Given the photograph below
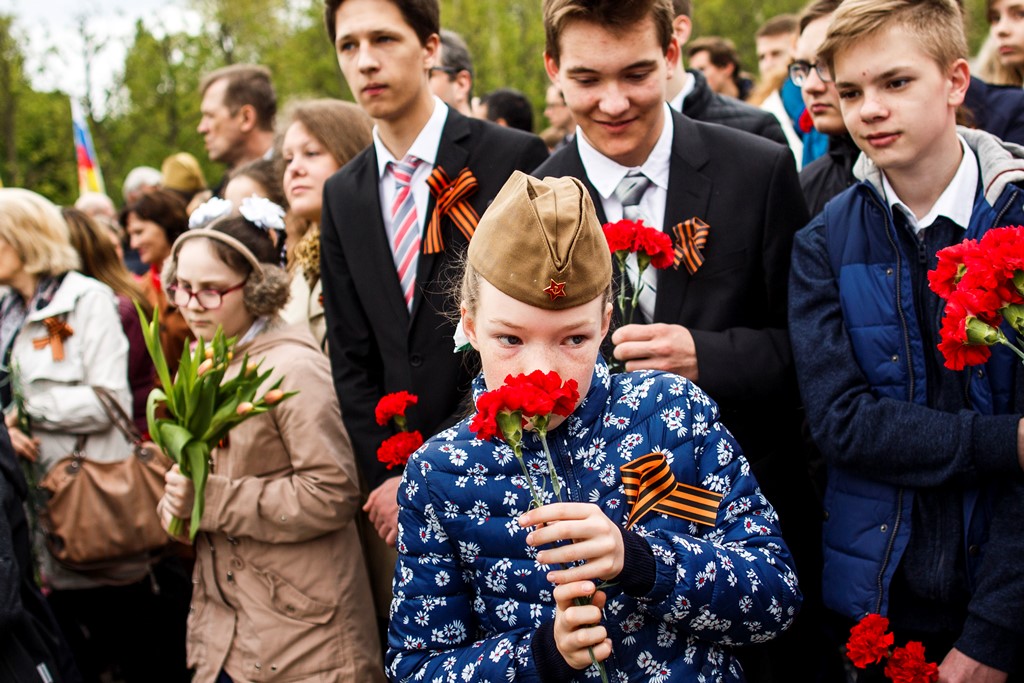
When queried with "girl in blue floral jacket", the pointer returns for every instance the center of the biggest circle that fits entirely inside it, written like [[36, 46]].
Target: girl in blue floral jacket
[[485, 586]]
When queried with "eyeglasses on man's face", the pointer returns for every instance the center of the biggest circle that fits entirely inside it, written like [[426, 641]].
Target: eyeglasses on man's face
[[208, 299], [800, 69], [451, 71]]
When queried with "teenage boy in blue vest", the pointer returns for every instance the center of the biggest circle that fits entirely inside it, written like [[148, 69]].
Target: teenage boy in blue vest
[[924, 496]]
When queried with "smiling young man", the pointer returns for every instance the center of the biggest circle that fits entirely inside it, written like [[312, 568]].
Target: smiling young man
[[388, 244], [924, 493], [723, 325]]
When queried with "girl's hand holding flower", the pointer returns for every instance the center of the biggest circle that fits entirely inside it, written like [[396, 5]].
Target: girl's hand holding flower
[[578, 631], [179, 496], [587, 536]]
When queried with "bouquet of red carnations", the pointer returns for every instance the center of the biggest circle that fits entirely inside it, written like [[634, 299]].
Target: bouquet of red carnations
[[871, 642], [983, 284]]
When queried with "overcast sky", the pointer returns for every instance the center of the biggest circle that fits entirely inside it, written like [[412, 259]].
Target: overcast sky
[[53, 25]]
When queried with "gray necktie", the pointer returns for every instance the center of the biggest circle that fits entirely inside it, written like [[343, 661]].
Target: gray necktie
[[630, 191]]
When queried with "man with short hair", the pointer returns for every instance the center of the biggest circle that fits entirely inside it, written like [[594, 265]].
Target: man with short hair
[[452, 78], [718, 60], [688, 91], [722, 322], [396, 219], [774, 42], [237, 116], [925, 456], [559, 116], [507, 107]]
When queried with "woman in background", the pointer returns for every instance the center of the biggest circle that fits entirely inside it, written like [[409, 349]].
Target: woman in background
[[319, 137], [153, 222]]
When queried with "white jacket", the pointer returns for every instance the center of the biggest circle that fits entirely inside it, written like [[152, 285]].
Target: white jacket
[[59, 398]]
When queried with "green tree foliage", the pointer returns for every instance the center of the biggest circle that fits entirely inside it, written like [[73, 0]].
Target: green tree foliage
[[38, 148], [506, 40]]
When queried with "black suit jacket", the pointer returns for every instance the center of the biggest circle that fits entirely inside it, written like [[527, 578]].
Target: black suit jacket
[[704, 104], [376, 346], [747, 190]]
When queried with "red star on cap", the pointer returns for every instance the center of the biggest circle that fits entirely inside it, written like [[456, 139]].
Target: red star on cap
[[555, 289]]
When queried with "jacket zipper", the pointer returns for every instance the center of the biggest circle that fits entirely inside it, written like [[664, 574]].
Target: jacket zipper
[[889, 229]]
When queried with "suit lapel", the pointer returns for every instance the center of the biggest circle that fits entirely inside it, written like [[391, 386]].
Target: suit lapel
[[452, 154], [689, 195]]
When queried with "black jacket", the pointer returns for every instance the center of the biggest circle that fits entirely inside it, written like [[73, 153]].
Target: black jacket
[[31, 645], [376, 346], [996, 109], [829, 174], [704, 104]]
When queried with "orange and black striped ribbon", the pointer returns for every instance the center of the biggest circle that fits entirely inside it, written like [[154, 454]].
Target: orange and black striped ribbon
[[690, 238], [56, 332], [651, 487], [450, 200]]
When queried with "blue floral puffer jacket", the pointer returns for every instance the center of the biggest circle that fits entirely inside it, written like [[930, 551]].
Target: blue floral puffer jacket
[[469, 595]]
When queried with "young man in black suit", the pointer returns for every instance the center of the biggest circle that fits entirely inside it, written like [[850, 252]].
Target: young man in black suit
[[723, 325], [406, 205]]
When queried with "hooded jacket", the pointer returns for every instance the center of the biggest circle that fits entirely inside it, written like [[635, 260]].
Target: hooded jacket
[[280, 588], [861, 364]]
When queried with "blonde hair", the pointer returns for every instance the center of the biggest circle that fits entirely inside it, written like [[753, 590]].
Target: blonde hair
[[937, 25], [34, 228]]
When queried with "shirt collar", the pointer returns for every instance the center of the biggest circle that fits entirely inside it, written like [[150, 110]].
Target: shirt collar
[[605, 174], [955, 203], [424, 147]]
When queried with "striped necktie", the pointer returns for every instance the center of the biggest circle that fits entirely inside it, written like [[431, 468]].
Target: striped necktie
[[630, 191], [405, 226]]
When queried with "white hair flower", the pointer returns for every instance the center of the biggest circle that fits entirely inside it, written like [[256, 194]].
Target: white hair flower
[[209, 211], [262, 212]]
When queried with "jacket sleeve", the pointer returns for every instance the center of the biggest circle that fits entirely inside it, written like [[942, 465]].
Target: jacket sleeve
[[858, 431], [743, 364], [993, 633], [735, 584], [319, 495], [432, 629], [103, 354], [356, 363]]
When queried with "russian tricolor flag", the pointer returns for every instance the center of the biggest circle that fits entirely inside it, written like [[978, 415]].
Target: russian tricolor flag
[[90, 179]]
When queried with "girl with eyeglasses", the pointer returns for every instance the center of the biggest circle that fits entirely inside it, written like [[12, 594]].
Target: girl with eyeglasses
[[280, 590]]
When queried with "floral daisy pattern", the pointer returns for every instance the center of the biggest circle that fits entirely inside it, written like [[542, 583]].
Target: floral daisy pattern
[[470, 595]]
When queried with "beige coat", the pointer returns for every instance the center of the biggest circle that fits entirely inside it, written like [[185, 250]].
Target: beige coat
[[281, 591]]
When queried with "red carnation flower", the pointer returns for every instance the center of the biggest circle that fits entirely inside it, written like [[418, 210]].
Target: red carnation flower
[[908, 665], [395, 450], [655, 244], [621, 235], [393, 405], [534, 395], [869, 641], [485, 422], [943, 280]]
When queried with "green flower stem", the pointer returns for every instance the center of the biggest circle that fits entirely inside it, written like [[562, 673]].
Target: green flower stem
[[1013, 347], [540, 423]]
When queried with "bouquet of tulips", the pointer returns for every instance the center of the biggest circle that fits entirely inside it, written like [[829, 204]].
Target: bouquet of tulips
[[201, 407], [529, 401]]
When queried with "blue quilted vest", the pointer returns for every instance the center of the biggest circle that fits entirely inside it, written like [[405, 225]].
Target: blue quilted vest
[[868, 523]]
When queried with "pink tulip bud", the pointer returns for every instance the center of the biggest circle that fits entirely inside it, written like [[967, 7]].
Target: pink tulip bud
[[204, 367], [244, 408], [273, 396]]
